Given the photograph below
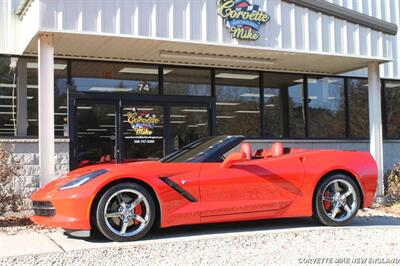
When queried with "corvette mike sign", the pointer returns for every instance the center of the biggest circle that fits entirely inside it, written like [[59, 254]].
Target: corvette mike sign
[[242, 18]]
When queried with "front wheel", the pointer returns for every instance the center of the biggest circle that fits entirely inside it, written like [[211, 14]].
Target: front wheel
[[125, 212], [337, 200]]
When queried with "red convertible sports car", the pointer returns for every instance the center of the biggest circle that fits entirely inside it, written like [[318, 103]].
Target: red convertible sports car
[[215, 179]]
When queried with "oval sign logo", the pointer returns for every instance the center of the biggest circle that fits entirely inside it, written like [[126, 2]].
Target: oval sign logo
[[242, 18]]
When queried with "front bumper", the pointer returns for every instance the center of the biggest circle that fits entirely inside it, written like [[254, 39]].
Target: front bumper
[[71, 210]]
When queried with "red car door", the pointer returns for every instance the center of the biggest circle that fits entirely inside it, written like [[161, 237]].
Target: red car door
[[250, 186], [182, 195]]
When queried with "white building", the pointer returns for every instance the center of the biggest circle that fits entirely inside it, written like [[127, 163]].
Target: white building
[[76, 75]]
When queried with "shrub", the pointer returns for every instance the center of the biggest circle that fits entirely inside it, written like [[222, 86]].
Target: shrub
[[10, 200], [392, 184]]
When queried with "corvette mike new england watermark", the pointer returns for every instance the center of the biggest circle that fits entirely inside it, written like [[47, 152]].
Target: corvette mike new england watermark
[[349, 260]]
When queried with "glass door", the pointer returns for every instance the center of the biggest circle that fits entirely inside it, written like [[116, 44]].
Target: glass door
[[95, 133], [188, 123], [142, 132], [117, 131]]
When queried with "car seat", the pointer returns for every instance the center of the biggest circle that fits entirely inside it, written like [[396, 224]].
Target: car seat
[[277, 149], [246, 149]]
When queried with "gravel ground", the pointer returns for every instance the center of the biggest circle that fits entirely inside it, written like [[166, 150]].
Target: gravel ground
[[335, 246], [330, 246]]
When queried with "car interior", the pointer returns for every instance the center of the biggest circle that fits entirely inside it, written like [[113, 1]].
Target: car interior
[[277, 149]]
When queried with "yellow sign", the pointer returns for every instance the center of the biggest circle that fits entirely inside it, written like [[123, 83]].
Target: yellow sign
[[143, 123]]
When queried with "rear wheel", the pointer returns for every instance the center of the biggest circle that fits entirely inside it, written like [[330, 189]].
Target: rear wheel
[[125, 212], [337, 200]]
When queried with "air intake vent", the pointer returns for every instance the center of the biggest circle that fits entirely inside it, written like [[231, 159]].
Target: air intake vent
[[43, 208]]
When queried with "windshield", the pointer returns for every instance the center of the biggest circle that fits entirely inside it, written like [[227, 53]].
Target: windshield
[[197, 151]]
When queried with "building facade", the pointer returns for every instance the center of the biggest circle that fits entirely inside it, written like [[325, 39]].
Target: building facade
[[93, 81]]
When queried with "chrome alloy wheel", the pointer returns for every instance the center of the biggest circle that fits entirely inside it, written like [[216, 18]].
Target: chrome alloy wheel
[[127, 212], [339, 200]]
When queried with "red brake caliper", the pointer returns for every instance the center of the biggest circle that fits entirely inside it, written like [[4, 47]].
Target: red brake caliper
[[327, 204], [138, 211]]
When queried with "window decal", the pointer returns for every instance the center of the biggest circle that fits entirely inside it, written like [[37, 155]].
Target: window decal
[[142, 123]]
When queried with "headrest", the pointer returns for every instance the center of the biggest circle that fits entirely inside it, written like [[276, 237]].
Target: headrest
[[277, 149], [246, 149]]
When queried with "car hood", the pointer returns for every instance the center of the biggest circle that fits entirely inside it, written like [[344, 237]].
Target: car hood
[[91, 168]]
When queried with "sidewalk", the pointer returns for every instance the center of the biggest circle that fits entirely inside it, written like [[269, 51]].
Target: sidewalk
[[42, 243]]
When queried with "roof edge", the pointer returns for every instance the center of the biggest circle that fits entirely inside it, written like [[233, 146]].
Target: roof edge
[[23, 7], [355, 17]]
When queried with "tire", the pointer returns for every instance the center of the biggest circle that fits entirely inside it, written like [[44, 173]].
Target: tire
[[331, 206], [125, 212]]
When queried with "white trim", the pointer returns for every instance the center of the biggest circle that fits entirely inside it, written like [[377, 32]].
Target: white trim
[[44, 30]]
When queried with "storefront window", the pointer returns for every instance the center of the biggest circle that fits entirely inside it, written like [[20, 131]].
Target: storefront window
[[238, 103], [7, 97], [392, 106], [143, 132], [60, 97], [326, 107], [19, 96], [114, 77], [187, 81], [358, 108], [95, 133], [33, 94], [188, 123], [276, 88], [296, 109]]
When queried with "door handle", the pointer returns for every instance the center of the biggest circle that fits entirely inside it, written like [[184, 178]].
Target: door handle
[[302, 159]]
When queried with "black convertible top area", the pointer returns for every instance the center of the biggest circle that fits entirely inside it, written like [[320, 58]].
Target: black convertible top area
[[207, 149]]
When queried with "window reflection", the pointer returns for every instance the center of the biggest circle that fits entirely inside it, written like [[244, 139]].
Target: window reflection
[[392, 105], [238, 103], [114, 77], [7, 97], [19, 96], [188, 123], [190, 81], [95, 133], [326, 107], [296, 110], [276, 88], [60, 98], [358, 108]]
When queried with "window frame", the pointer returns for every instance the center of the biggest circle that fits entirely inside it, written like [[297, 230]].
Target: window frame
[[384, 109], [211, 100]]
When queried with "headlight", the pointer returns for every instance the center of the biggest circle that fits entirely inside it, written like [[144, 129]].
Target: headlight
[[79, 181]]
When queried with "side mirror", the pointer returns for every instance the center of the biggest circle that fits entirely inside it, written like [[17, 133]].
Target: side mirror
[[233, 158]]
